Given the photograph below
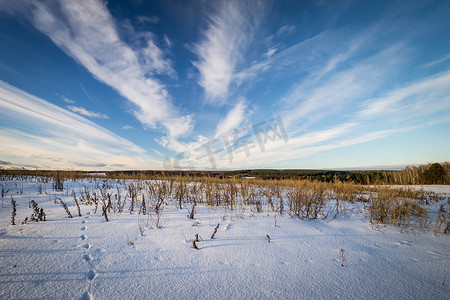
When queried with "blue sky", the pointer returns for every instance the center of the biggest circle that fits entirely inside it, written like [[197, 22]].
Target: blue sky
[[171, 84]]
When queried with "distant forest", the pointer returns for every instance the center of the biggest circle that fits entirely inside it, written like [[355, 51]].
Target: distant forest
[[425, 174], [436, 173]]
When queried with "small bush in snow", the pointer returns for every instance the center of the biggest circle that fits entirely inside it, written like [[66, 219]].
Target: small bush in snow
[[38, 212], [215, 231], [64, 205], [14, 210]]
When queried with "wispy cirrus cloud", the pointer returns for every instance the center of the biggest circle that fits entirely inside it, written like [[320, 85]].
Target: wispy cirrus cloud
[[274, 151], [306, 145], [86, 31], [148, 19], [67, 100], [333, 86], [234, 118], [280, 62], [337, 73], [87, 113], [191, 148], [36, 132], [410, 99], [336, 76], [192, 152], [307, 102], [441, 60], [286, 30], [230, 30]]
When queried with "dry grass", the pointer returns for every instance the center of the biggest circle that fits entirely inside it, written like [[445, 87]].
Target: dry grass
[[410, 210]]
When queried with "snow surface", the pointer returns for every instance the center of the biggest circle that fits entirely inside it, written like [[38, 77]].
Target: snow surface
[[88, 258]]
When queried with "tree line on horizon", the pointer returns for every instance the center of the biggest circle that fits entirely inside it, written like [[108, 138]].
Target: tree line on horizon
[[436, 173]]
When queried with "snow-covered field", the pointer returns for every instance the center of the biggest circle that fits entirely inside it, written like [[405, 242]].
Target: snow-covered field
[[85, 257]]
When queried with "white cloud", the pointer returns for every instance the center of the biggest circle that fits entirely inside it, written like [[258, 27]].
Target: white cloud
[[434, 91], [308, 101], [336, 70], [235, 117], [437, 62], [278, 152], [312, 98], [127, 127], [325, 54], [153, 58], [87, 113], [270, 52], [167, 41], [67, 100], [300, 58], [285, 30], [275, 151], [148, 19], [192, 151], [87, 32], [47, 135], [229, 33]]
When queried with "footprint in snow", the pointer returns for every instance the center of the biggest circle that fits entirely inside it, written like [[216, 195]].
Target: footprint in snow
[[86, 246], [86, 296], [83, 237], [83, 222], [87, 257], [91, 274], [83, 228]]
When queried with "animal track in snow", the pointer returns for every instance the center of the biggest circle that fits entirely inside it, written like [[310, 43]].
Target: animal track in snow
[[86, 246], [83, 237], [87, 257], [86, 296], [83, 228], [91, 274]]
